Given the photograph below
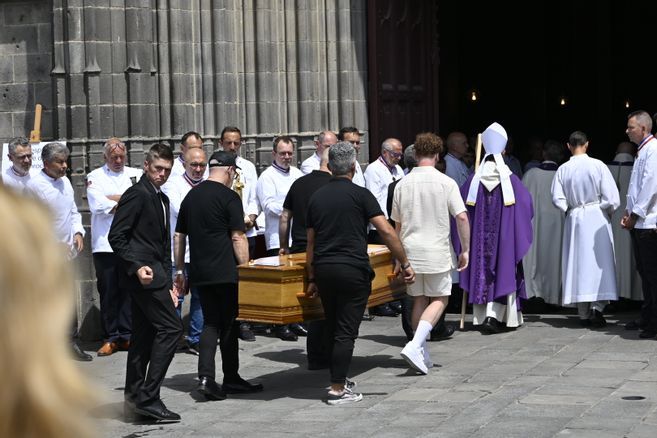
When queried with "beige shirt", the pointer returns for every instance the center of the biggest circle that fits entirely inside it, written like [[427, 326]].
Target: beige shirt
[[422, 203]]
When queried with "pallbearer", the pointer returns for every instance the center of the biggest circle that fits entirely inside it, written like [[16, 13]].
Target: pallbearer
[[500, 212]]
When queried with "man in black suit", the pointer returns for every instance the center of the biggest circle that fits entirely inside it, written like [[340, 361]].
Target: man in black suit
[[140, 237]]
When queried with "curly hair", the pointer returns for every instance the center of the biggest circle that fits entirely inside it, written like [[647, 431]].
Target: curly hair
[[428, 144]]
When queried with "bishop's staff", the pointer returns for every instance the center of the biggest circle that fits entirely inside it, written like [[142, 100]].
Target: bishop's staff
[[464, 301], [35, 135]]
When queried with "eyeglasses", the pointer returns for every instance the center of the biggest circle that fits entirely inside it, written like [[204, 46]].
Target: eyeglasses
[[285, 154], [355, 142], [394, 154], [198, 164]]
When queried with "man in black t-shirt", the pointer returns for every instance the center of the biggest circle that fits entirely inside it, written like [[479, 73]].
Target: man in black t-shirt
[[295, 207], [338, 265], [211, 215]]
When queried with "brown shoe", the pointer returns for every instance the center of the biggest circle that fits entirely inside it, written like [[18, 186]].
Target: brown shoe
[[123, 345], [107, 349]]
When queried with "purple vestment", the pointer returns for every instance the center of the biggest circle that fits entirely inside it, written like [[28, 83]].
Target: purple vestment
[[500, 236]]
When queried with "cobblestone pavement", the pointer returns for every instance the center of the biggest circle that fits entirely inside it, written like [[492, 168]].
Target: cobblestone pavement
[[550, 378]]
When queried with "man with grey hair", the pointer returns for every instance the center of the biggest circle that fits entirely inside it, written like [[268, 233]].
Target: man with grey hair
[[641, 217], [338, 265], [324, 140], [105, 185], [55, 190], [378, 176], [20, 154]]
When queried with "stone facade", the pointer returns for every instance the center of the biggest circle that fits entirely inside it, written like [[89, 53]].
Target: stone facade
[[150, 70]]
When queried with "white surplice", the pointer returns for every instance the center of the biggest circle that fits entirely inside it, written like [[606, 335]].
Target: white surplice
[[542, 264], [628, 281], [585, 189]]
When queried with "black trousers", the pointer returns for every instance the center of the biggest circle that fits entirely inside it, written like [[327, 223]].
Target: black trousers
[[344, 291], [645, 253], [220, 308], [156, 330], [115, 302]]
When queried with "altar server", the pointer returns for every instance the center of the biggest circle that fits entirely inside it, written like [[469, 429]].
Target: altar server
[[584, 189]]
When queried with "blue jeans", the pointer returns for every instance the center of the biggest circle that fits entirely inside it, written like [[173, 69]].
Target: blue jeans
[[195, 311]]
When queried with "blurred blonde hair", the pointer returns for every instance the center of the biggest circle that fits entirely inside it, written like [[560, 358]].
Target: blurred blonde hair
[[43, 394]]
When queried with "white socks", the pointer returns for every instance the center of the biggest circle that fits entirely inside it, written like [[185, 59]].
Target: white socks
[[423, 330]]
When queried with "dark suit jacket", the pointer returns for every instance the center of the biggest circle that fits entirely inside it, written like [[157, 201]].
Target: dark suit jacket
[[140, 236]]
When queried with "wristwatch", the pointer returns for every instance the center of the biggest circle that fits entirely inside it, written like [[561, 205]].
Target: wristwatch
[[406, 266]]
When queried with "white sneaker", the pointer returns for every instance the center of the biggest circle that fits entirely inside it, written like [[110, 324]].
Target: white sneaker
[[415, 358], [427, 359], [347, 396], [348, 383]]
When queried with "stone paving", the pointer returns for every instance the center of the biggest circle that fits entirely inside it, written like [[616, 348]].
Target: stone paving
[[550, 378]]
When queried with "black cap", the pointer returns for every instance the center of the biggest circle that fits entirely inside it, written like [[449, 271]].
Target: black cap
[[222, 158]]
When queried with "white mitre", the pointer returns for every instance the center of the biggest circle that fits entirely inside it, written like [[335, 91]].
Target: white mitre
[[492, 173]]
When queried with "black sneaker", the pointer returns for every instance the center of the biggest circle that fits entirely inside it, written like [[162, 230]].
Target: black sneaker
[[192, 348]]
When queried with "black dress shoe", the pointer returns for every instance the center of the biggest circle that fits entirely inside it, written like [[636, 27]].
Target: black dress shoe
[[158, 411], [284, 333], [442, 332], [241, 386], [491, 325], [396, 306], [298, 329], [585, 322], [78, 354], [647, 334], [382, 310], [245, 333], [597, 319], [210, 389]]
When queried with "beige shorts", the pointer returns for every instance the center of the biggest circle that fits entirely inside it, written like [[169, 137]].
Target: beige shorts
[[431, 285]]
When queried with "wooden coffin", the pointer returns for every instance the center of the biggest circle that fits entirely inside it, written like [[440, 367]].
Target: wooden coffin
[[272, 289]]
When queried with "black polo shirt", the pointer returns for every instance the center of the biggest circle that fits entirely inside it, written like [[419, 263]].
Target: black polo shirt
[[297, 202], [339, 213], [208, 215]]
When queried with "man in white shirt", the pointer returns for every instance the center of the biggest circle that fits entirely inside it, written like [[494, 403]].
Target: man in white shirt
[[421, 208], [584, 189], [352, 135], [245, 186], [176, 188], [188, 141], [378, 176], [324, 140], [105, 186], [54, 189], [271, 189], [457, 148], [641, 217], [20, 154]]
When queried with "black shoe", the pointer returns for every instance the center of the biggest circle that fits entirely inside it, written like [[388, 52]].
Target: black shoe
[[396, 306], [647, 334], [78, 354], [158, 411], [210, 389], [491, 326], [284, 333], [241, 386], [445, 331], [382, 310], [245, 333], [597, 319], [192, 348], [298, 329], [635, 325], [585, 322]]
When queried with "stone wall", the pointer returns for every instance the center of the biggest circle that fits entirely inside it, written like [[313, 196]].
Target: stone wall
[[150, 70]]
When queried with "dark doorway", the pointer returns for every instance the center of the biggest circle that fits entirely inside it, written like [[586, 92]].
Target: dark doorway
[[403, 70]]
